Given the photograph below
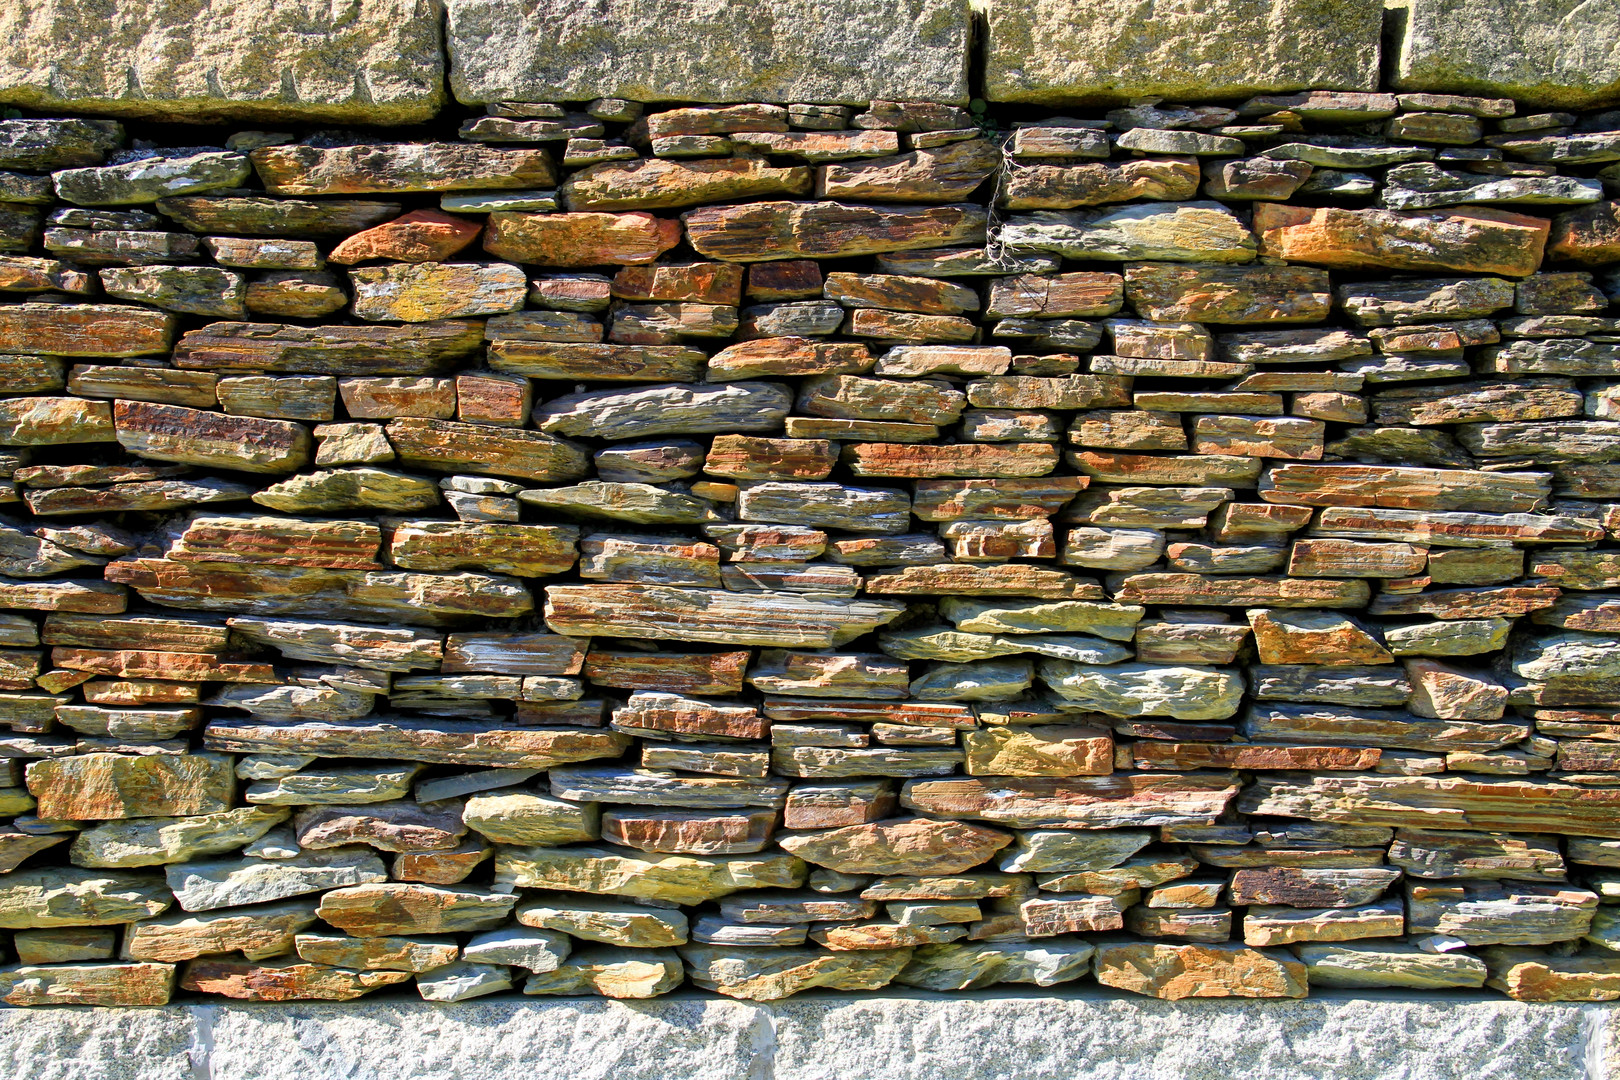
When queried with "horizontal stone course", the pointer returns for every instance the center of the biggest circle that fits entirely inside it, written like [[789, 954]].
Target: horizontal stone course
[[819, 543]]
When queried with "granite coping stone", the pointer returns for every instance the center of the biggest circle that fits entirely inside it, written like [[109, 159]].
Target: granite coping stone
[[1030, 1035]]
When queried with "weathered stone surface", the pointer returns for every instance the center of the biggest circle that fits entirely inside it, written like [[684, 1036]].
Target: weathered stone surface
[[1120, 800], [663, 183], [1530, 52], [673, 409], [104, 786], [328, 350], [450, 446], [1481, 241], [790, 230], [1173, 972], [1215, 294], [257, 932], [70, 897], [1530, 975], [190, 290], [683, 879], [230, 883], [155, 841], [579, 239], [1389, 964], [612, 973], [429, 291], [379, 910], [940, 174], [554, 55], [756, 974], [88, 984], [382, 64], [1050, 52], [1173, 232], [398, 167], [1491, 913], [912, 846], [608, 922], [1186, 693], [283, 980], [458, 742]]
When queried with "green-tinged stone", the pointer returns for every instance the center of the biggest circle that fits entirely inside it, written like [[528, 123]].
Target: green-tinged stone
[[248, 60], [519, 946], [639, 504], [1186, 693], [256, 932], [610, 972], [147, 180], [1205, 232], [345, 786], [190, 290], [525, 817], [59, 896], [100, 787], [769, 974], [972, 966], [681, 879], [411, 954], [463, 980], [1362, 965], [1117, 622], [156, 841], [608, 922], [336, 491], [388, 908]]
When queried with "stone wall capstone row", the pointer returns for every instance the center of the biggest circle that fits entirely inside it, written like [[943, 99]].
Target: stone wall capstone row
[[1560, 54], [358, 62], [1062, 52], [783, 51]]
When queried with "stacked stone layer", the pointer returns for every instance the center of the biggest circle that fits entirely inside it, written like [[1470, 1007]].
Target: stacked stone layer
[[776, 547]]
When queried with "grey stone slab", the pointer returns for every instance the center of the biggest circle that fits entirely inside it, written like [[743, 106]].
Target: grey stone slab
[[1090, 1036], [1557, 53], [1058, 52], [498, 1038], [983, 1035], [780, 51], [363, 61], [98, 1044]]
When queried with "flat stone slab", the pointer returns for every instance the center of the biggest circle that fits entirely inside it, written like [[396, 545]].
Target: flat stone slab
[[1555, 53], [1061, 52], [781, 51], [1031, 1035], [362, 62]]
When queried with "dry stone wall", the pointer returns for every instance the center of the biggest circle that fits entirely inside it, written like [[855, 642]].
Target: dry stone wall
[[588, 548]]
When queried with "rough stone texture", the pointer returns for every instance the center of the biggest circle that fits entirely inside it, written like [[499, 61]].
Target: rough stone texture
[[825, 595], [1058, 52], [1552, 53], [374, 62], [1029, 1034], [782, 51]]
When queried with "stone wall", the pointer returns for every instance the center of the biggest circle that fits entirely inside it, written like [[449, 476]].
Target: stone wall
[[882, 531]]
